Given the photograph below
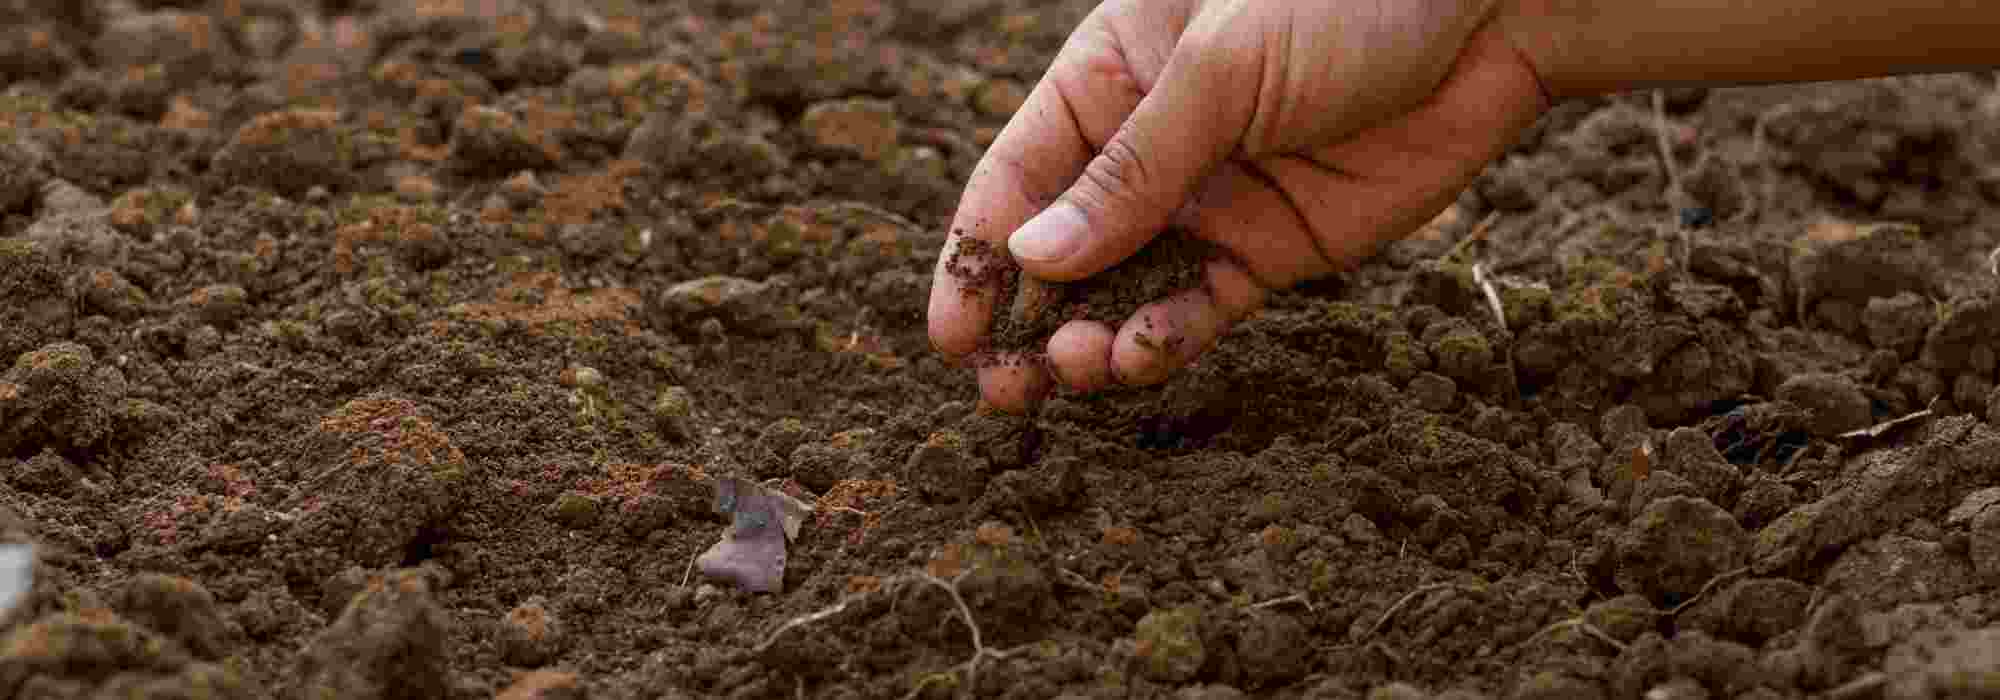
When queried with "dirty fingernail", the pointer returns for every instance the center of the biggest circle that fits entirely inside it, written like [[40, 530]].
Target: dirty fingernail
[[1052, 235]]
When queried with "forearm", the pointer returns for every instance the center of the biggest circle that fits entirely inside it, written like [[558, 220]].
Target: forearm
[[1586, 47]]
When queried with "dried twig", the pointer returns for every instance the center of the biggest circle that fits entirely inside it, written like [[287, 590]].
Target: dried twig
[[805, 619], [1411, 596], [1075, 579], [1878, 429], [1667, 160], [1299, 598], [1677, 195], [689, 574], [1706, 587], [1492, 297], [980, 651], [1478, 234], [1579, 623], [1867, 683]]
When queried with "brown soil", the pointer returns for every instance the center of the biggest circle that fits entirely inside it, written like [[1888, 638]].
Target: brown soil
[[395, 350]]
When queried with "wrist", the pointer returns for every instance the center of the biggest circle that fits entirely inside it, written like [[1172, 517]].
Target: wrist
[[1587, 47]]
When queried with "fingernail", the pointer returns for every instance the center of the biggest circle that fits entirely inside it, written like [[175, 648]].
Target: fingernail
[[1052, 235]]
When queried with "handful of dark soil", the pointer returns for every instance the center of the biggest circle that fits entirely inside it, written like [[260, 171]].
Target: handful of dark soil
[[1032, 309]]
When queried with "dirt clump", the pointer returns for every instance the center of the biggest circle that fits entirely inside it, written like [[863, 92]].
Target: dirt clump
[[1034, 309], [291, 152], [388, 643], [38, 307], [384, 476], [58, 397]]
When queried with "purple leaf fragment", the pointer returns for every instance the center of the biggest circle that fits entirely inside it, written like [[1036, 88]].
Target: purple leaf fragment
[[752, 554], [754, 563]]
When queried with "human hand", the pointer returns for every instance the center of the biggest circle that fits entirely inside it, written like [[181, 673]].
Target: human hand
[[1295, 136]]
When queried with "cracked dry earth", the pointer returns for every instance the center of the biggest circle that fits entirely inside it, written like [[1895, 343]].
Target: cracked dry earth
[[394, 350]]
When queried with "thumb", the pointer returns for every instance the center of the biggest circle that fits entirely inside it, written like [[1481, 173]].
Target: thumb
[[1181, 130]]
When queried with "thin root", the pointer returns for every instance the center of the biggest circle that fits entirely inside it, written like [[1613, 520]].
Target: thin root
[[1579, 623], [1867, 683], [979, 650], [1485, 283], [1299, 598], [1706, 587], [689, 573], [805, 619], [1411, 596], [1478, 234]]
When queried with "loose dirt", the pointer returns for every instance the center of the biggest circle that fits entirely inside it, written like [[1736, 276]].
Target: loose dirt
[[394, 350]]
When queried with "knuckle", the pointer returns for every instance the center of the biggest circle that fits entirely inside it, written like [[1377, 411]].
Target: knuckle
[[1116, 179]]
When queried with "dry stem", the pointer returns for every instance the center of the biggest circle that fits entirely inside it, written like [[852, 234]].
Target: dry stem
[[1411, 596]]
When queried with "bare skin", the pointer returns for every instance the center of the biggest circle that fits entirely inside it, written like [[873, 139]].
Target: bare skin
[[1301, 136]]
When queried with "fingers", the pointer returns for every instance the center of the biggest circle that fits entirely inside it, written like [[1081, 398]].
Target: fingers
[[1160, 338], [1014, 384], [1179, 132], [1088, 91], [1032, 159]]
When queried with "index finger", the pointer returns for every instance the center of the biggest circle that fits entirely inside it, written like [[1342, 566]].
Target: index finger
[[1086, 94]]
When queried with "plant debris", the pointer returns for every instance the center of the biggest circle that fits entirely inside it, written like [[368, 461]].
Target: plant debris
[[751, 553]]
